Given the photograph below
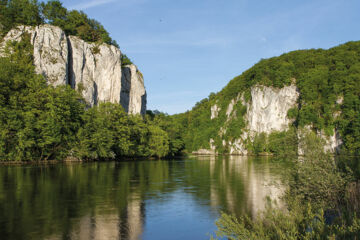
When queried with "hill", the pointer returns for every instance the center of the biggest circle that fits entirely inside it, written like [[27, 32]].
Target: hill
[[270, 107]]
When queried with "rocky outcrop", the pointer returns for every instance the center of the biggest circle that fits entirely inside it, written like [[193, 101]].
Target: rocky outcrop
[[238, 147], [210, 151], [268, 109], [133, 94], [203, 152], [50, 51], [214, 111], [266, 112], [230, 108], [94, 70], [332, 143]]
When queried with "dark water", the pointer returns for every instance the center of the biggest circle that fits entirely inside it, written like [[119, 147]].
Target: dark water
[[167, 199]]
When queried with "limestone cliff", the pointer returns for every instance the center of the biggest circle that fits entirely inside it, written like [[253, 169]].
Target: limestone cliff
[[50, 51], [133, 87], [93, 69], [266, 112]]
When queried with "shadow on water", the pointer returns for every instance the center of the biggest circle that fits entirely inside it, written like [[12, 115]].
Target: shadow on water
[[131, 200]]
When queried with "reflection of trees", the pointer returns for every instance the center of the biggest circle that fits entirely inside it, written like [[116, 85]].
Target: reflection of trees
[[107, 200], [78, 200]]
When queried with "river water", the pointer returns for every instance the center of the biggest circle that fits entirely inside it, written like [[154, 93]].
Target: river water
[[150, 199]]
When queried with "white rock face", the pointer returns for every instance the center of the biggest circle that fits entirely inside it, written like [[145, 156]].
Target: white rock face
[[203, 152], [301, 134], [230, 108], [238, 147], [82, 69], [267, 112], [332, 144], [268, 109], [94, 70], [214, 111], [212, 144], [133, 94], [340, 100], [50, 51]]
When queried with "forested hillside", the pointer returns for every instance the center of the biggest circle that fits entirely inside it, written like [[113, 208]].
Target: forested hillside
[[328, 82]]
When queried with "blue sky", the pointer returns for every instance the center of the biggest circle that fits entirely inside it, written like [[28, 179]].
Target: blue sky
[[187, 49]]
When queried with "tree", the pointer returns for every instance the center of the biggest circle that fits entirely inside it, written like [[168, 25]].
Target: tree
[[38, 122], [54, 13], [105, 133], [158, 142]]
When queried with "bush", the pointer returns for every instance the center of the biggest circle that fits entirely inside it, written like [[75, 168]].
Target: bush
[[317, 200]]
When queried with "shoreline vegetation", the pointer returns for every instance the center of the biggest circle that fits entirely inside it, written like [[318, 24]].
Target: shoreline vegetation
[[322, 202]]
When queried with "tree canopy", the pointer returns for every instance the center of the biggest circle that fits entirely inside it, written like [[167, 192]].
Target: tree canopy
[[33, 13]]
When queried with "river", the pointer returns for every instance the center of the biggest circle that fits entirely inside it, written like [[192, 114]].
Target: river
[[149, 199]]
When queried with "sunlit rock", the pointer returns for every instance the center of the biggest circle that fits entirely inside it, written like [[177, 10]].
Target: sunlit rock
[[95, 70], [268, 109], [214, 111]]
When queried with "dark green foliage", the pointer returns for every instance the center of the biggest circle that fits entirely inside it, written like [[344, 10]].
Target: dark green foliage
[[173, 129], [323, 77], [105, 134], [125, 60], [16, 12], [54, 12], [158, 142], [258, 145], [302, 223], [32, 13], [197, 126], [38, 122], [283, 144], [318, 204]]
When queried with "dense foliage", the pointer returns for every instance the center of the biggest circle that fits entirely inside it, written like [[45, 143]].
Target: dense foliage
[[33, 13], [322, 202], [41, 122], [328, 82]]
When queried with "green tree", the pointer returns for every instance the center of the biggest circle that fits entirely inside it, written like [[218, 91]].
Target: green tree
[[38, 122], [158, 142], [54, 12], [105, 133]]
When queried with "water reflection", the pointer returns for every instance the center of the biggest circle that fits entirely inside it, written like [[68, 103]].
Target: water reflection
[[132, 200]]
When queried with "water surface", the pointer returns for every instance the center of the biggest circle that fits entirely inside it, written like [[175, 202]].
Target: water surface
[[162, 199]]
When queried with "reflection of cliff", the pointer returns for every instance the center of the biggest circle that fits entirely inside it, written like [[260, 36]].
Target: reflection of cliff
[[261, 184], [128, 224], [135, 217], [242, 184], [107, 224]]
